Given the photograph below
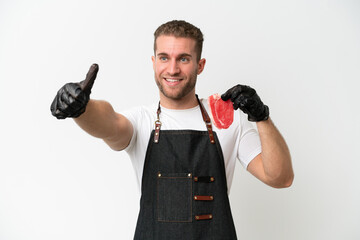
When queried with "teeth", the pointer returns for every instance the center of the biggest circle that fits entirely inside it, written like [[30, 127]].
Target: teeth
[[172, 80]]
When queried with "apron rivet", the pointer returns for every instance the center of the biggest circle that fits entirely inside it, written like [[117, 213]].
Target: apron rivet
[[159, 175]]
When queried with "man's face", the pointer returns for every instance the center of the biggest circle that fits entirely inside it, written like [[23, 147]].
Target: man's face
[[176, 67]]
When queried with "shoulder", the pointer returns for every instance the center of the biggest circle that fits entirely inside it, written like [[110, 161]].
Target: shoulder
[[142, 119]]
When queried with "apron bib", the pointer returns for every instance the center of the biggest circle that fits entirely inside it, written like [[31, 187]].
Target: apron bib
[[184, 190]]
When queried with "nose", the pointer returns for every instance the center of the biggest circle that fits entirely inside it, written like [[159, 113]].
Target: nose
[[173, 68]]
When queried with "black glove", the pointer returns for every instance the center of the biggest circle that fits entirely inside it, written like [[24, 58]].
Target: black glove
[[246, 98], [72, 98]]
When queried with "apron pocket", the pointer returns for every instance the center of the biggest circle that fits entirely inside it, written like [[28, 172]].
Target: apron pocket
[[174, 197]]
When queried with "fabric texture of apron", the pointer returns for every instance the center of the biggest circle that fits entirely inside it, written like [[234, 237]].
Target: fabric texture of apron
[[184, 190]]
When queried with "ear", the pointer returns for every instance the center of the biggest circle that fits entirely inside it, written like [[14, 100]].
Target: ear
[[201, 65], [153, 60]]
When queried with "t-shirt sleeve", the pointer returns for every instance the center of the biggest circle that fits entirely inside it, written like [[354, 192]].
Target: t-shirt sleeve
[[250, 145]]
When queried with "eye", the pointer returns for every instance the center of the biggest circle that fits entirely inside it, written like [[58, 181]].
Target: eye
[[184, 59], [163, 58]]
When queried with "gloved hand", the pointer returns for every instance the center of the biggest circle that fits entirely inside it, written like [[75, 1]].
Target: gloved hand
[[246, 98], [72, 98]]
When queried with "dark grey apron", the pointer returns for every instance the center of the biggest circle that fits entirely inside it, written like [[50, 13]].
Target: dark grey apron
[[184, 189]]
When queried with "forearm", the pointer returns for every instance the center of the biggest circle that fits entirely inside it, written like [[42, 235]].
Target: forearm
[[98, 120], [275, 155]]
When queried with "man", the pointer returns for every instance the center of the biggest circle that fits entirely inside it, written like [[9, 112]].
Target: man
[[186, 166]]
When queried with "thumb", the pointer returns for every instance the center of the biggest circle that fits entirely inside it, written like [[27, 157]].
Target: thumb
[[87, 84]]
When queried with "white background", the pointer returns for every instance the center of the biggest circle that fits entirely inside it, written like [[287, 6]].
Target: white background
[[302, 57]]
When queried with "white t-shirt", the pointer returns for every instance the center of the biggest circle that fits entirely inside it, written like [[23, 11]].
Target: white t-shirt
[[239, 141]]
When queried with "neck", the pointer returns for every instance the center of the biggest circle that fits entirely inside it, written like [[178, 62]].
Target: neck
[[186, 102]]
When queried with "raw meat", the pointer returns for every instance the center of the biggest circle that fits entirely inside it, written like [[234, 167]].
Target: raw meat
[[222, 111]]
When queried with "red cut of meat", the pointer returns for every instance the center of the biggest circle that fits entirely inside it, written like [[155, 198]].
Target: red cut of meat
[[222, 111]]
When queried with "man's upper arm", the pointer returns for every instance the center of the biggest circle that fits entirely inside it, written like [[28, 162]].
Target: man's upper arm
[[123, 134], [256, 168]]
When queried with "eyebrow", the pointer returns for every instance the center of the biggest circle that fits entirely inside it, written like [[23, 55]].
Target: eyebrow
[[181, 55]]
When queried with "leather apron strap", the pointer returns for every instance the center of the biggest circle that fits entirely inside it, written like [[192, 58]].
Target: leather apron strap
[[204, 114]]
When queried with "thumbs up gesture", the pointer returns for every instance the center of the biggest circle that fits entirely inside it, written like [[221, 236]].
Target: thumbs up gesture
[[72, 98]]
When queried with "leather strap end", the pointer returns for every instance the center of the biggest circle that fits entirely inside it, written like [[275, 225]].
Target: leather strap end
[[203, 198], [204, 217]]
